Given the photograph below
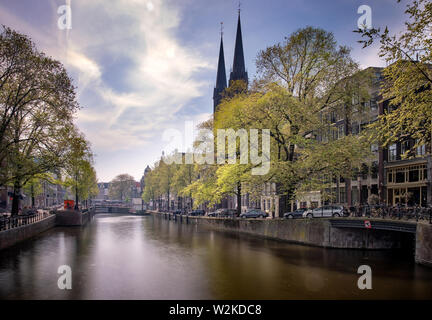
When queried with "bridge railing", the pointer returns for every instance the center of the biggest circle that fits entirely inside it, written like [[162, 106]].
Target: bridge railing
[[392, 212], [11, 222]]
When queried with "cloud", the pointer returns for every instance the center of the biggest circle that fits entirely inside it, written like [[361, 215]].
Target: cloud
[[88, 70], [133, 74], [158, 80]]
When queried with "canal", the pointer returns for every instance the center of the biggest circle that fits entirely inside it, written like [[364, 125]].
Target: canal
[[132, 257]]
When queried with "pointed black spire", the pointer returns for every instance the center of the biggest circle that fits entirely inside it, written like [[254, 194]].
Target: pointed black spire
[[239, 70], [221, 81]]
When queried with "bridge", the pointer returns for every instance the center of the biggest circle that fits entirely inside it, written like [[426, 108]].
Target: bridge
[[117, 209], [376, 224], [111, 208], [384, 218]]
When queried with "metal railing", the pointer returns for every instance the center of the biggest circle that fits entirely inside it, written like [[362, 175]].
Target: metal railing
[[11, 222], [392, 212]]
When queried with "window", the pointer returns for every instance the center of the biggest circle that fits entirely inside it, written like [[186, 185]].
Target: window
[[392, 152], [390, 176], [342, 195], [356, 172], [400, 177], [405, 147], [355, 128], [421, 150], [340, 132], [414, 175], [364, 171], [374, 170], [373, 105], [334, 134], [374, 147], [333, 117]]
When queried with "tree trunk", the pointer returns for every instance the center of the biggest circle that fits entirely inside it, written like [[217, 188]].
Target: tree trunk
[[32, 196], [238, 198], [76, 198], [15, 198]]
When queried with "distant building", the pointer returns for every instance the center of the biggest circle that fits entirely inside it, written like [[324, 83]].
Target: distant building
[[238, 72], [142, 181], [103, 191]]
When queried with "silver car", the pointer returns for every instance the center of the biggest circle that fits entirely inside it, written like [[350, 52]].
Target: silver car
[[254, 213], [325, 211]]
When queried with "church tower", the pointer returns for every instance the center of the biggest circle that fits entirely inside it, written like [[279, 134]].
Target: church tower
[[239, 70], [221, 80]]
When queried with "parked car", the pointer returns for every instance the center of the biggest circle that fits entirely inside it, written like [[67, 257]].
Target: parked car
[[196, 213], [254, 213], [231, 213], [325, 211], [223, 213], [295, 214], [215, 213], [177, 212]]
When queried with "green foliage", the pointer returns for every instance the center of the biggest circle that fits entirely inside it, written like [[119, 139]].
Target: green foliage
[[300, 82], [121, 187], [408, 79], [80, 176], [37, 104]]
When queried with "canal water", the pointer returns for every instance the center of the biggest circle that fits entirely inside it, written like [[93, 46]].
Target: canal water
[[131, 257]]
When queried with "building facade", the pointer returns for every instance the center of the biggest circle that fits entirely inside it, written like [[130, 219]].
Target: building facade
[[407, 180], [386, 177]]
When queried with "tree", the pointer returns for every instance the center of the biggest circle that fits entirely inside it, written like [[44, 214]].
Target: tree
[[150, 188], [34, 187], [79, 172], [299, 82], [322, 79], [165, 175], [276, 109], [87, 187], [37, 99], [408, 79], [308, 64], [15, 50], [121, 187], [183, 176]]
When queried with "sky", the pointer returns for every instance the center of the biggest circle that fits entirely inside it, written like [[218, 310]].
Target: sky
[[142, 67]]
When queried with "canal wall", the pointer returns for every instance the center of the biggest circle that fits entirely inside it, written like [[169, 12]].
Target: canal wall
[[423, 252], [70, 218], [12, 236], [58, 218], [315, 232]]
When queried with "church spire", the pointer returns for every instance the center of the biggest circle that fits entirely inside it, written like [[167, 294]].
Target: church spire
[[239, 70], [221, 80]]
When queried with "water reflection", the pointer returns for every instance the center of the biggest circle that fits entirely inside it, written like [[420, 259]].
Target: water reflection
[[127, 257]]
